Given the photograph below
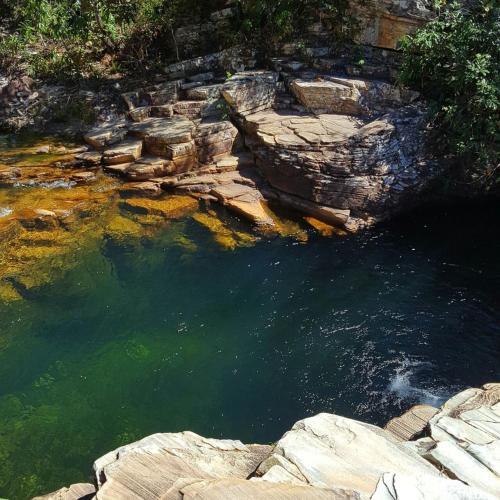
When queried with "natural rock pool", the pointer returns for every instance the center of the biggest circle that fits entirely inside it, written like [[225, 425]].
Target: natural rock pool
[[117, 326]]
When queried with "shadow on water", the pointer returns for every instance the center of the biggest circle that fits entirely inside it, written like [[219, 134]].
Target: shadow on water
[[161, 335]]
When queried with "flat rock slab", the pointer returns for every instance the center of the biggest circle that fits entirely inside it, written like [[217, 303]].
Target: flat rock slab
[[399, 487], [159, 133], [410, 425], [294, 131], [465, 438], [106, 134], [159, 466], [336, 452], [74, 492], [124, 152], [245, 201], [237, 489], [321, 96]]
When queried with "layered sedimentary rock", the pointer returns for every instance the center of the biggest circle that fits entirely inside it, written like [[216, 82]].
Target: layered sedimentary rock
[[322, 457], [339, 150]]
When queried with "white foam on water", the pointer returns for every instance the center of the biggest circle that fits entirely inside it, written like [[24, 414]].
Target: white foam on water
[[58, 184], [404, 384], [4, 211]]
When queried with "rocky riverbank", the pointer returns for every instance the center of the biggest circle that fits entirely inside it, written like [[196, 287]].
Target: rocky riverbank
[[319, 129], [346, 151], [428, 453]]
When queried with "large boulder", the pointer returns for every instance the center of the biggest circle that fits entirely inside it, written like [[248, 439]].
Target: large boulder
[[159, 466], [465, 438], [400, 487], [238, 489], [251, 92], [370, 168], [329, 451]]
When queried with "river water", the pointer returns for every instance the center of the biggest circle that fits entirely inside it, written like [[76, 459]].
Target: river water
[[177, 332]]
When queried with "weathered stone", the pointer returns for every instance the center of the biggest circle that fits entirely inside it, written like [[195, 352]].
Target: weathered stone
[[488, 455], [125, 152], [412, 423], [84, 177], [118, 169], [7, 174], [74, 492], [159, 133], [140, 114], [328, 97], [251, 92], [329, 215], [174, 151], [338, 161], [106, 134], [190, 109], [152, 467], [90, 158], [163, 111], [465, 467], [245, 201], [204, 93], [215, 138], [232, 489], [465, 438], [147, 188], [149, 167], [400, 487], [165, 93], [332, 451]]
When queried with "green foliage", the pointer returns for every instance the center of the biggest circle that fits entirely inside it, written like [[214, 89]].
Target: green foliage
[[69, 38], [273, 21], [454, 61]]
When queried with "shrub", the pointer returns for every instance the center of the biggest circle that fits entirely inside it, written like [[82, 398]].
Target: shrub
[[454, 61], [269, 22]]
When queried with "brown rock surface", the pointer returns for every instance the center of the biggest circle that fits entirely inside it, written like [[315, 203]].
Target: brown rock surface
[[124, 152]]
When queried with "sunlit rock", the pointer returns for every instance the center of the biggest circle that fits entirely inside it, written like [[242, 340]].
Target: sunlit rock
[[124, 152], [163, 464]]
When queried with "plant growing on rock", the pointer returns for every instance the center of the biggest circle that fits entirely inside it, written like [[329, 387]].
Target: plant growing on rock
[[270, 22], [455, 62]]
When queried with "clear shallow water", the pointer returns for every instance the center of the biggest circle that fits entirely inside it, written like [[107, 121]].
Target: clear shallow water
[[241, 344]]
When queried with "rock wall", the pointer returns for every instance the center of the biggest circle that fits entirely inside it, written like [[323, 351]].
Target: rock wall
[[347, 144], [322, 457]]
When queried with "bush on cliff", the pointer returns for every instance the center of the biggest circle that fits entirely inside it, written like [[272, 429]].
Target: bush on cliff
[[455, 62], [269, 22], [70, 39]]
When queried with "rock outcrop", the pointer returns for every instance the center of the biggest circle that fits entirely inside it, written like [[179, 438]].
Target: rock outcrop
[[322, 457], [345, 151]]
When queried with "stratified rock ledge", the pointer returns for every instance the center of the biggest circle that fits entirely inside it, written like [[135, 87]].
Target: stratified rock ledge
[[456, 457]]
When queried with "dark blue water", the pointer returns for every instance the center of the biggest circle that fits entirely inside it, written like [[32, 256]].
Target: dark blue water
[[144, 338]]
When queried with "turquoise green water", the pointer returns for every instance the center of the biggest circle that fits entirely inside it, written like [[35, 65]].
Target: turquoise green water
[[149, 337]]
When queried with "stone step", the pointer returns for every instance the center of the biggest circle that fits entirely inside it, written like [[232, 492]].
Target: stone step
[[412, 424]]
